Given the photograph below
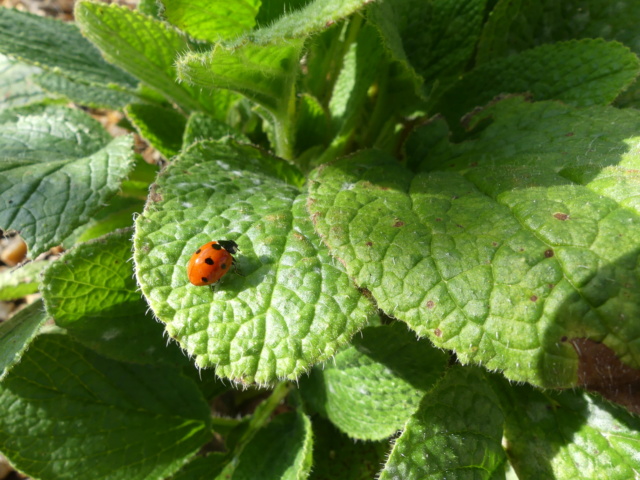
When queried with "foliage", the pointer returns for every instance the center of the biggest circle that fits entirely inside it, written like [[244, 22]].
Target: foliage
[[436, 208]]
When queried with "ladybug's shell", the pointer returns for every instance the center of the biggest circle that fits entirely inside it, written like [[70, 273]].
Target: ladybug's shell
[[209, 264]]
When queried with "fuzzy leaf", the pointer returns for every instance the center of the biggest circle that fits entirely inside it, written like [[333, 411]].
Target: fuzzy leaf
[[58, 168], [161, 127], [504, 247], [21, 281], [289, 308]]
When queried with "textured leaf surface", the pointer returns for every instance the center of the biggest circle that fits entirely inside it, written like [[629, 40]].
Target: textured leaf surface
[[586, 72], [371, 389], [455, 434], [161, 127], [16, 86], [290, 307], [58, 167], [573, 434], [75, 414], [280, 451], [91, 292], [18, 282], [504, 247], [201, 126], [212, 21], [55, 45], [95, 95], [435, 38], [145, 47], [16, 334], [338, 457]]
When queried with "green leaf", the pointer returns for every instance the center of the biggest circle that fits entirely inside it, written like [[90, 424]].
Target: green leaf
[[145, 47], [371, 389], [117, 215], [161, 127], [455, 434], [202, 468], [337, 457], [573, 435], [58, 168], [212, 21], [581, 73], [312, 18], [16, 85], [16, 335], [20, 281], [96, 95], [55, 45], [502, 248], [91, 292], [435, 38], [289, 307], [281, 450], [201, 126], [75, 414]]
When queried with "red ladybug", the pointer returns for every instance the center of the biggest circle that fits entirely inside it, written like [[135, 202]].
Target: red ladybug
[[211, 261]]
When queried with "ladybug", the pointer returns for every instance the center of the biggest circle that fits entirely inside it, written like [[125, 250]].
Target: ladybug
[[211, 261]]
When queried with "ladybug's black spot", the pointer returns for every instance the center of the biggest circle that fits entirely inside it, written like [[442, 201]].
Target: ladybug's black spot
[[223, 266], [215, 246], [208, 261], [198, 251], [204, 279]]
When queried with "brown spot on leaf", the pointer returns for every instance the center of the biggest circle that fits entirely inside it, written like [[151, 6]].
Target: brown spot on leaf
[[569, 134], [533, 298], [473, 164], [564, 339], [600, 370], [438, 219], [561, 216], [369, 244], [430, 304], [548, 253], [437, 332], [399, 223]]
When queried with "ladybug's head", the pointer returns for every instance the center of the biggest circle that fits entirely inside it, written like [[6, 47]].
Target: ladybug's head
[[229, 245]]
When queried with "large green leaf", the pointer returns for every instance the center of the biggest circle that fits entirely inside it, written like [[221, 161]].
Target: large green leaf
[[289, 307], [75, 415], [455, 434], [504, 247], [91, 292], [58, 168], [371, 389], [55, 45]]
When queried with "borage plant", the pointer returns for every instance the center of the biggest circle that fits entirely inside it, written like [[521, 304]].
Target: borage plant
[[436, 210]]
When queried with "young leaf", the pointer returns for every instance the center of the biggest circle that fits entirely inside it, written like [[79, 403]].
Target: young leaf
[[501, 249], [161, 127], [584, 73], [456, 433], [75, 414], [371, 389], [58, 168], [574, 435], [201, 126], [290, 306], [58, 46], [145, 47], [91, 292], [212, 21], [16, 335]]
